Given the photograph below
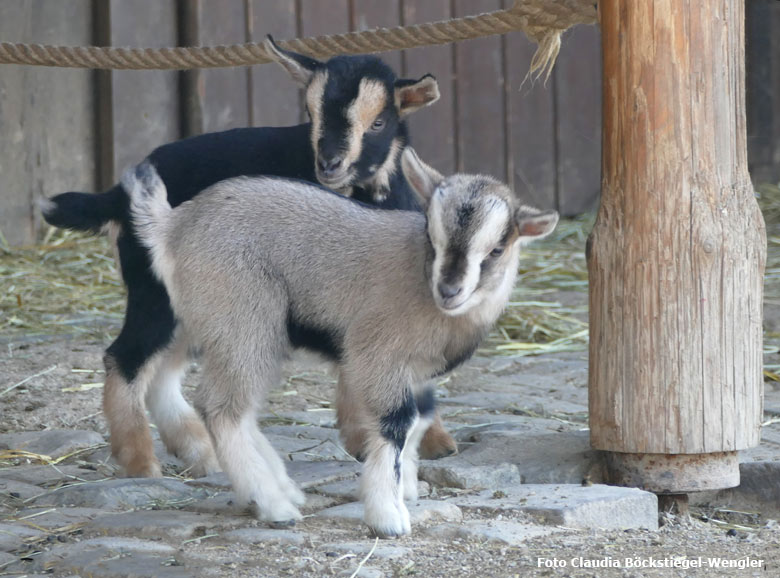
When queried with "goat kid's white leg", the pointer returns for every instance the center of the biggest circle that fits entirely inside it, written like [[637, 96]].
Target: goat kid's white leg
[[295, 495], [410, 455], [381, 489], [253, 478], [181, 429]]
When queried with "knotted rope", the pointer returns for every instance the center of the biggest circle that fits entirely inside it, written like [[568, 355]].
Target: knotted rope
[[543, 21]]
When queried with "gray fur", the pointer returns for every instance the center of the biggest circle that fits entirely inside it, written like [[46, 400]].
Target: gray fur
[[247, 253]]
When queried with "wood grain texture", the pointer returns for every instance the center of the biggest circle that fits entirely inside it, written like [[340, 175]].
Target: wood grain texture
[[46, 116], [578, 120], [541, 139], [480, 98], [758, 47], [145, 103], [366, 14], [323, 17], [774, 56], [530, 125], [763, 88], [677, 255], [432, 129], [276, 99], [224, 91]]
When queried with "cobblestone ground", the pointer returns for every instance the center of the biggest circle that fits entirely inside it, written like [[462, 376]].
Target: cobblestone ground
[[522, 497]]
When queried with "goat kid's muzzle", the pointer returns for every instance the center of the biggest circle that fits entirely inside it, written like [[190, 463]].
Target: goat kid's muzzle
[[335, 179], [451, 297]]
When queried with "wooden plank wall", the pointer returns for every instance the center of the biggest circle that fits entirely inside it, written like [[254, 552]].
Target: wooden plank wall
[[46, 115], [144, 104], [763, 89], [77, 130]]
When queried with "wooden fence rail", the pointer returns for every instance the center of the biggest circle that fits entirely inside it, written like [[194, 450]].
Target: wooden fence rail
[[78, 129]]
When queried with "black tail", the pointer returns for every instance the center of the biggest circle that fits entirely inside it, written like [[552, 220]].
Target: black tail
[[85, 211]]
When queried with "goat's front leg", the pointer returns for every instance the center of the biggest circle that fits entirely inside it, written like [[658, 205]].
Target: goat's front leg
[[354, 425], [411, 452], [384, 479], [181, 429]]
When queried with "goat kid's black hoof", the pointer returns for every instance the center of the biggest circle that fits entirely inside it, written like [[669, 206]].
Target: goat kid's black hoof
[[444, 454], [281, 524]]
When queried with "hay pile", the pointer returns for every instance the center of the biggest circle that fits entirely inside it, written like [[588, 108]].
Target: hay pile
[[548, 311], [69, 284]]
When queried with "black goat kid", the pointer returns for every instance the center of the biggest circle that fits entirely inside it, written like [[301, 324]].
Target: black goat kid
[[353, 144]]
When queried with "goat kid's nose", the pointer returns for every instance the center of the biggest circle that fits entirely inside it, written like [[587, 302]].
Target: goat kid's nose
[[448, 291], [329, 165]]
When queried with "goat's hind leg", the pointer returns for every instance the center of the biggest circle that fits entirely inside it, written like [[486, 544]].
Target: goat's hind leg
[[437, 441], [228, 405], [132, 360], [290, 489], [353, 418], [123, 406], [181, 429]]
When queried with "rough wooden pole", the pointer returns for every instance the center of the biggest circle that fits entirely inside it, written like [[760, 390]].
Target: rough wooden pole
[[676, 257]]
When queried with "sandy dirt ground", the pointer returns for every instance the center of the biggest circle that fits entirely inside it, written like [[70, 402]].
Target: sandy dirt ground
[[62, 391]]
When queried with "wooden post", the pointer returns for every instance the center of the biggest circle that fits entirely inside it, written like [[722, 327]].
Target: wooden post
[[676, 257]]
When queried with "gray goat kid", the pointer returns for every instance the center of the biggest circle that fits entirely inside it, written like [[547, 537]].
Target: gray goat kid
[[401, 296]]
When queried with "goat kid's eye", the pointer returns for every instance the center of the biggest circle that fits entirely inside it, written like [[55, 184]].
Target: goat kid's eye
[[378, 125], [497, 252]]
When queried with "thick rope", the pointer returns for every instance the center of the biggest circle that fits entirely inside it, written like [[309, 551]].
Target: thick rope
[[543, 21]]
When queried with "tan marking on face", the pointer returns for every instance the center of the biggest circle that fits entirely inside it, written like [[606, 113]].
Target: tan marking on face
[[370, 102], [385, 172], [362, 112], [315, 93]]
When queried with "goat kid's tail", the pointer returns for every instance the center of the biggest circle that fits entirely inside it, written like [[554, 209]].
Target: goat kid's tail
[[84, 211], [151, 215]]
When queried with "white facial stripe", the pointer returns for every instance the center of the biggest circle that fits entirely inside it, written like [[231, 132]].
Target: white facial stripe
[[436, 225], [438, 235], [370, 101], [489, 234], [315, 93], [494, 214], [483, 242]]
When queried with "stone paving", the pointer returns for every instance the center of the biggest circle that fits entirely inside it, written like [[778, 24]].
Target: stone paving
[[524, 470]]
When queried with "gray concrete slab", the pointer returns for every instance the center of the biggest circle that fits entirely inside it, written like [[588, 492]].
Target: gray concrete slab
[[419, 511], [162, 524], [123, 494], [54, 443], [572, 505]]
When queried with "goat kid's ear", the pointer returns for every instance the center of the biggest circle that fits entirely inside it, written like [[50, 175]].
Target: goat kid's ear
[[423, 178], [534, 224], [300, 67], [412, 95]]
